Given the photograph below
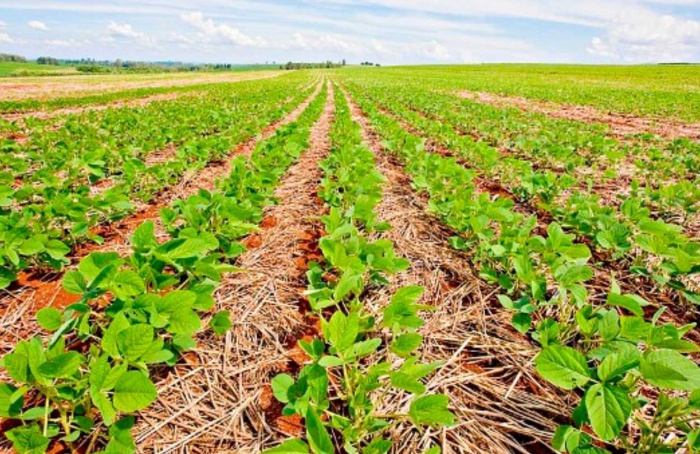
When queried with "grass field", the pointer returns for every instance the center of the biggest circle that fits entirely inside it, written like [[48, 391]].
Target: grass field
[[457, 259], [24, 69]]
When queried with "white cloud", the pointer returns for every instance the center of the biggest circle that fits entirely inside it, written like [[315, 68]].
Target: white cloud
[[37, 25], [122, 30], [180, 39], [64, 43], [4, 37], [387, 31], [322, 42], [225, 32], [649, 39]]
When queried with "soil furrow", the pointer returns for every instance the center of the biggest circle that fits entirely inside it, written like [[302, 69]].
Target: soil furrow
[[71, 87], [621, 125], [267, 303], [140, 102], [45, 290], [486, 357]]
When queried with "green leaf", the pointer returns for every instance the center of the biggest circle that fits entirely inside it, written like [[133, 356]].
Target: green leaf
[[405, 344], [74, 282], [379, 446], [294, 446], [348, 283], [563, 366], [127, 283], [28, 440], [109, 414], [616, 364], [134, 341], [567, 438], [57, 249], [314, 349], [319, 440], [280, 387], [608, 408], [191, 247], [177, 305], [221, 322], [522, 322], [49, 318], [330, 361], [92, 265], [121, 441], [110, 335], [402, 312], [365, 348], [668, 369], [62, 366], [17, 364], [33, 245], [627, 302], [11, 401], [156, 353], [144, 236], [407, 383], [431, 411], [574, 274], [342, 330], [134, 391]]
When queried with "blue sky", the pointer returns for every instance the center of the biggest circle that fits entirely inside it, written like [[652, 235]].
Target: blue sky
[[385, 31]]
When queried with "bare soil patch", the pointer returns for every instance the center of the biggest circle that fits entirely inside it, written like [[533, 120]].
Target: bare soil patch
[[72, 87], [621, 125], [140, 102]]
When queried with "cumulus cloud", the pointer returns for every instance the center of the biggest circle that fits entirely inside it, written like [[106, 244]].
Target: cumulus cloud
[[387, 31], [322, 42], [4, 37], [649, 39], [122, 30], [369, 48], [37, 25], [221, 32], [64, 43]]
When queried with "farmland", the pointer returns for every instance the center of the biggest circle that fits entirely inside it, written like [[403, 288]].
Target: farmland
[[457, 259]]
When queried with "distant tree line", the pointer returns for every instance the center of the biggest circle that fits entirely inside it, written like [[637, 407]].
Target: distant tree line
[[12, 57], [327, 64], [369, 63], [93, 66], [48, 61]]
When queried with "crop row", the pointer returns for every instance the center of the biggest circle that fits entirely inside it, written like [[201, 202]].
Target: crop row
[[41, 220], [650, 91], [99, 141], [356, 361], [573, 154], [609, 352], [79, 385], [53, 103], [629, 234]]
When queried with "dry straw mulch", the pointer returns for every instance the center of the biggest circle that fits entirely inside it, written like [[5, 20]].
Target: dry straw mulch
[[213, 404]]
